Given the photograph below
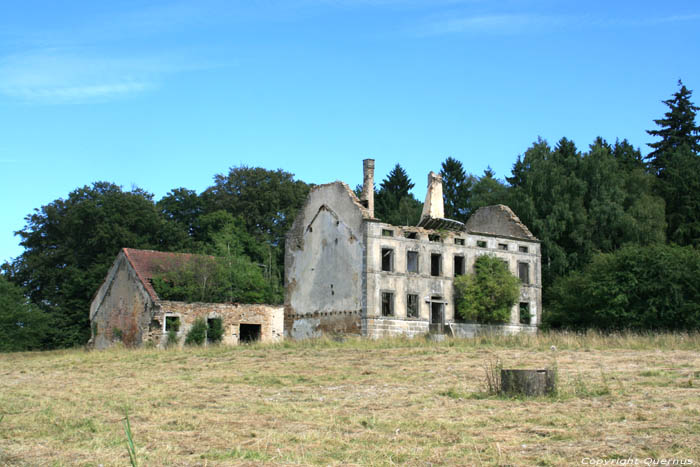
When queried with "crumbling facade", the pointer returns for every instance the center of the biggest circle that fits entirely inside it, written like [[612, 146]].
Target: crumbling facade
[[127, 309], [347, 272]]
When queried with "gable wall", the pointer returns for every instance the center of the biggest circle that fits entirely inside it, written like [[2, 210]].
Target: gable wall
[[121, 306], [323, 265]]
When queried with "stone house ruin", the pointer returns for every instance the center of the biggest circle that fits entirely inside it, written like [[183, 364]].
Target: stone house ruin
[[127, 308], [347, 272]]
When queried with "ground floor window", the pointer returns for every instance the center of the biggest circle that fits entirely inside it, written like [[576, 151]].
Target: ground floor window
[[524, 313], [249, 332], [387, 304], [412, 306], [172, 323]]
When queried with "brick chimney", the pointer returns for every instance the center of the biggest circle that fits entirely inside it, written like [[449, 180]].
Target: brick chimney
[[368, 185]]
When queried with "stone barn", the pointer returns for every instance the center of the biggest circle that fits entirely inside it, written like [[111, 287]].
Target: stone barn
[[126, 308], [347, 272]]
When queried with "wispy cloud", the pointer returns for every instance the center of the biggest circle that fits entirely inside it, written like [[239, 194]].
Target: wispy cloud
[[650, 21], [75, 75], [499, 24]]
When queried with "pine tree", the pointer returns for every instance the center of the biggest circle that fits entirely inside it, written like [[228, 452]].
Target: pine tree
[[676, 162], [394, 202], [456, 186], [678, 128]]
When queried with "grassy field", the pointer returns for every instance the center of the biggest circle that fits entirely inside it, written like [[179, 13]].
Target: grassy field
[[381, 402]]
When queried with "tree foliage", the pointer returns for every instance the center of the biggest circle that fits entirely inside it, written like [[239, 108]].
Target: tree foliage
[[23, 326], [394, 203], [676, 162], [197, 333], [69, 245], [487, 295], [580, 203], [640, 288], [677, 130], [456, 187]]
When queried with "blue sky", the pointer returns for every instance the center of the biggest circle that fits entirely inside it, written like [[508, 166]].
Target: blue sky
[[166, 94]]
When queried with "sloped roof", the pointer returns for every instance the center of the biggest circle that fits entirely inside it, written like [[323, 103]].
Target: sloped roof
[[148, 263], [498, 220]]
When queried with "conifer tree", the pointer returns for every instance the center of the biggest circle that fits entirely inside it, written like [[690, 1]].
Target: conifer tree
[[676, 162], [678, 129]]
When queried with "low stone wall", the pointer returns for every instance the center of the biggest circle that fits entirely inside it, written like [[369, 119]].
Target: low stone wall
[[473, 329], [386, 327], [269, 317]]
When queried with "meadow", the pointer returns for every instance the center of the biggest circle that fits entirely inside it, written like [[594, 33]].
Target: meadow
[[354, 401]]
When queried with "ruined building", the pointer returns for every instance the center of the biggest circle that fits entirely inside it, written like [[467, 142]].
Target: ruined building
[[347, 272], [126, 308]]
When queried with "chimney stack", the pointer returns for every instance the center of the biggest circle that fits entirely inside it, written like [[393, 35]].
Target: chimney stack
[[368, 185], [434, 206]]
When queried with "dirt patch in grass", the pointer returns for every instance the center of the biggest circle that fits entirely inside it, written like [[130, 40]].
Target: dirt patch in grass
[[353, 402]]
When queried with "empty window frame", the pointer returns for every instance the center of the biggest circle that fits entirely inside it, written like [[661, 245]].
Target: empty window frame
[[524, 272], [434, 238], [459, 265], [411, 235], [503, 246], [524, 313], [387, 259], [459, 241], [172, 323], [523, 249], [481, 243], [412, 306], [435, 264], [387, 303], [387, 233], [412, 262]]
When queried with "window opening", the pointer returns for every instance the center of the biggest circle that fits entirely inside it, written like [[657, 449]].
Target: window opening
[[522, 249], [524, 272], [524, 313], [387, 259], [387, 233], [412, 306], [459, 241], [387, 304], [503, 246], [172, 323], [249, 332], [435, 264], [459, 265], [412, 261], [481, 243]]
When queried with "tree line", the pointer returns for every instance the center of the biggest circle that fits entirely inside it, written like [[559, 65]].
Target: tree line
[[619, 232]]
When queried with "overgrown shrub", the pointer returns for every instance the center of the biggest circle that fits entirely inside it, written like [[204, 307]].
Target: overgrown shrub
[[215, 330], [487, 295], [197, 333], [172, 337], [636, 288]]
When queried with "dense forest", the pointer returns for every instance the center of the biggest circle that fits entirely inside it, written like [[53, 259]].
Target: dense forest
[[620, 233]]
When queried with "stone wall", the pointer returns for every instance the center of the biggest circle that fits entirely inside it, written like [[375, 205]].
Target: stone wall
[[121, 309], [473, 329], [381, 237], [269, 317], [386, 327], [323, 264]]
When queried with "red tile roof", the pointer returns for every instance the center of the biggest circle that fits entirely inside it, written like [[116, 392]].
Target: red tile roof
[[148, 263]]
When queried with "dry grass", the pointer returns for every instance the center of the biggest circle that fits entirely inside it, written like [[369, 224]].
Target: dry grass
[[354, 402]]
